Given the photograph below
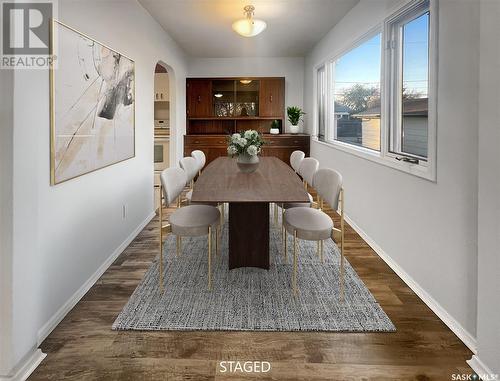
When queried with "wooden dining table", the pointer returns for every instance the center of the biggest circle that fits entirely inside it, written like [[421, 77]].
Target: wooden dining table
[[249, 196]]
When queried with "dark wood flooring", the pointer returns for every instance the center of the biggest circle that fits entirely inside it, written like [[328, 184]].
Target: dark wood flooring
[[83, 346]]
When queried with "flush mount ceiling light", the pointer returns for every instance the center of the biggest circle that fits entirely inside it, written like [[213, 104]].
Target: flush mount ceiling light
[[249, 27], [218, 95], [245, 81]]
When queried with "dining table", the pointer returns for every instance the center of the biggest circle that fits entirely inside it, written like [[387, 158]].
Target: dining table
[[249, 196]]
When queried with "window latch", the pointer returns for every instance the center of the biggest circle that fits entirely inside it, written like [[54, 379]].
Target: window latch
[[407, 159]]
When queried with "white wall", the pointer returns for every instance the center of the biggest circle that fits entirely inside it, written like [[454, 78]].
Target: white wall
[[292, 68], [428, 229], [63, 234], [6, 164], [488, 324]]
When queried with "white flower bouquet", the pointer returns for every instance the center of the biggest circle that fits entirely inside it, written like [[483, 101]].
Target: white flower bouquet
[[248, 142]]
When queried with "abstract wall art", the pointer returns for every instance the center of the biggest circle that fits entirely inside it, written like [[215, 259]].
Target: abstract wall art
[[92, 105]]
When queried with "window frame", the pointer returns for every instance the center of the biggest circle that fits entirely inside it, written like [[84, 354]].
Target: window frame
[[323, 102], [395, 77], [331, 86], [424, 168], [328, 65]]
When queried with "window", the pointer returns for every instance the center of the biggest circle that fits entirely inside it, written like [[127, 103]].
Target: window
[[376, 99], [356, 95], [321, 96], [409, 70]]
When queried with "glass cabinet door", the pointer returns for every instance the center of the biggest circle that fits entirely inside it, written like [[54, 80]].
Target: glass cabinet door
[[223, 97], [247, 98]]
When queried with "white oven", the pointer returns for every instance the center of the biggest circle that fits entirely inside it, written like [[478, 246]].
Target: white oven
[[161, 152]]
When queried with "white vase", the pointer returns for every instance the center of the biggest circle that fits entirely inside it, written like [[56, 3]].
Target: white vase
[[247, 163], [294, 129], [274, 131]]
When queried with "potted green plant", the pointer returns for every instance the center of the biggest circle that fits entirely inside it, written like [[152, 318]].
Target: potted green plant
[[275, 127], [294, 117], [247, 145]]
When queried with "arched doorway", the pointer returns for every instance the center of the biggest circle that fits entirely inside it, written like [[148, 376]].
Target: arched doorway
[[163, 118]]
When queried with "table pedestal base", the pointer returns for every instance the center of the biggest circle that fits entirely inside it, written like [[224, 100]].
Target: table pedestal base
[[249, 235]]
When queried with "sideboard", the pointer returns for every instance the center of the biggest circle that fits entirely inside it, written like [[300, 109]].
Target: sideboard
[[280, 146]]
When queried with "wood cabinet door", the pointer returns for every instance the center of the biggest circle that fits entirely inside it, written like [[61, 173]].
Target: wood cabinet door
[[272, 97], [199, 99], [281, 153]]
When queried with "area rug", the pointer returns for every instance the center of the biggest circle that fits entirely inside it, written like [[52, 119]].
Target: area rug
[[250, 299]]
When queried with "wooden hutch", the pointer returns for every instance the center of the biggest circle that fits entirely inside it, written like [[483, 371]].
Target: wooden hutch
[[218, 107]]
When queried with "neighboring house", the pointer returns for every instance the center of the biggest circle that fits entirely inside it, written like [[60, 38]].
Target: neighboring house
[[414, 140], [348, 128], [342, 111]]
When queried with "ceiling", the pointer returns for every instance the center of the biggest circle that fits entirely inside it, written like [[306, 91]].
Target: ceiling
[[203, 27]]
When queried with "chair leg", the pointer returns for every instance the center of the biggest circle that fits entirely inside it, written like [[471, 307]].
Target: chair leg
[[222, 213], [283, 241], [161, 270], [285, 245], [321, 251], [160, 218], [318, 249], [295, 262], [341, 276], [209, 257], [342, 244], [275, 214], [217, 241], [282, 216], [282, 231]]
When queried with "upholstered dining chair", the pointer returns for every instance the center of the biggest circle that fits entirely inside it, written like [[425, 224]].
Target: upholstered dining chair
[[187, 221], [296, 158], [315, 225], [191, 166], [200, 158], [307, 169]]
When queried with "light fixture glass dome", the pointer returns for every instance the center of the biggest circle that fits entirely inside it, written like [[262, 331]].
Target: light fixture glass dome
[[249, 27]]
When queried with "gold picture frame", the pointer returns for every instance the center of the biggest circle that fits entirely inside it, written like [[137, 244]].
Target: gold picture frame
[[116, 74]]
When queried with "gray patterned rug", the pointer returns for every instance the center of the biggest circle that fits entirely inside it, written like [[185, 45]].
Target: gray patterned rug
[[250, 299]]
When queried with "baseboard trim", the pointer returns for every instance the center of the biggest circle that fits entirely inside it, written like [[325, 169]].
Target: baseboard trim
[[456, 327], [49, 326], [480, 368], [26, 367]]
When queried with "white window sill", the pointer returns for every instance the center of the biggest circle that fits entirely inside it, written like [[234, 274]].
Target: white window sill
[[425, 170]]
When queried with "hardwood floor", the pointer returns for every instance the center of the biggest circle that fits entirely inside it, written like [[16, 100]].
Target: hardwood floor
[[83, 346]]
